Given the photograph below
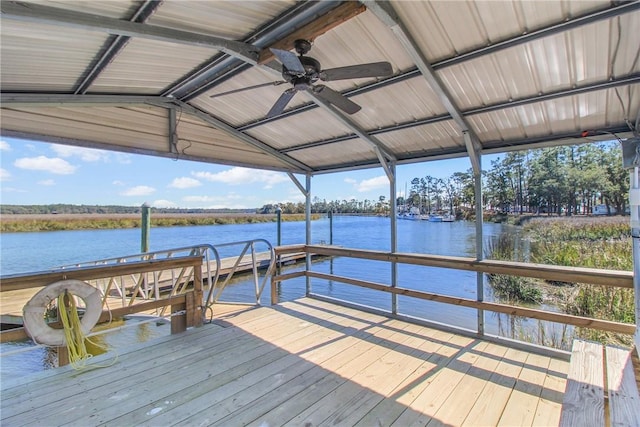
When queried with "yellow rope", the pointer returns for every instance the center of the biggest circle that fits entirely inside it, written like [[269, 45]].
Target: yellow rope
[[78, 354]]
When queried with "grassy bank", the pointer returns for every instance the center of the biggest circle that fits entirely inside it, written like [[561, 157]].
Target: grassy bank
[[22, 223], [577, 242]]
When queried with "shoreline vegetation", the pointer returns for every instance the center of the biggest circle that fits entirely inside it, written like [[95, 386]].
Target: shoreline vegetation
[[602, 242], [95, 221]]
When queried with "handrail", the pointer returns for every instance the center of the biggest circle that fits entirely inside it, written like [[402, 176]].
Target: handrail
[[42, 278], [617, 278], [128, 277], [174, 260], [214, 296]]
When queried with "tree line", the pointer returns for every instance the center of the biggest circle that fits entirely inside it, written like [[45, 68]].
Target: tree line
[[557, 180]]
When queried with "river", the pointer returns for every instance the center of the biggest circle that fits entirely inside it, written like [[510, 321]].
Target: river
[[24, 252]]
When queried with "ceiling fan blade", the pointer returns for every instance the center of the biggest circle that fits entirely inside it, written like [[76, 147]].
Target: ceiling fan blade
[[337, 99], [242, 89], [373, 69], [281, 103], [289, 60]]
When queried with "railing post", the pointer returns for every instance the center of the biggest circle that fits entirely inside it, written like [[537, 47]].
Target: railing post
[[63, 355], [254, 269], [197, 302], [274, 289]]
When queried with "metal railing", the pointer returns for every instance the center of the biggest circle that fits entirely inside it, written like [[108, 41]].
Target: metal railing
[[242, 257], [161, 279]]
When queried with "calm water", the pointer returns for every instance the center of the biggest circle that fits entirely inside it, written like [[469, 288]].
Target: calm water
[[24, 252]]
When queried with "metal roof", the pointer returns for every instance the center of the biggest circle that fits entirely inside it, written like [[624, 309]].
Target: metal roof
[[138, 76]]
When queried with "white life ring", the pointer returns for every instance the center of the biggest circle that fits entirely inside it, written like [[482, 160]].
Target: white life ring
[[33, 311]]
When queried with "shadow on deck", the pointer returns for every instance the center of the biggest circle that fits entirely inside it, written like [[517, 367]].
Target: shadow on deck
[[304, 362]]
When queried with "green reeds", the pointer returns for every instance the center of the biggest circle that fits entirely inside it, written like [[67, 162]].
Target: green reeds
[[511, 289], [584, 242]]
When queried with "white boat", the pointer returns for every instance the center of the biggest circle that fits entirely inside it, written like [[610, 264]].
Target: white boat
[[413, 214], [448, 218], [435, 218]]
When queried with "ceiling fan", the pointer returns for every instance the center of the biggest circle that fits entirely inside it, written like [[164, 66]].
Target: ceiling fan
[[302, 71]]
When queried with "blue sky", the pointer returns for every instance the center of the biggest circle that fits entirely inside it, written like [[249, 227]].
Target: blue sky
[[37, 173]]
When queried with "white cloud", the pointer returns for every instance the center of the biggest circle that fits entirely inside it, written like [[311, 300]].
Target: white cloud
[[238, 176], [217, 202], [117, 182], [54, 165], [379, 182], [47, 182], [163, 204], [123, 158], [4, 145], [6, 189], [140, 190], [85, 154], [185, 182], [5, 175], [204, 199]]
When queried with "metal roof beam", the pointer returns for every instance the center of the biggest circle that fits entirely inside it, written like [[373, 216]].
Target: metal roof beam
[[607, 84], [48, 99], [607, 134], [298, 184], [221, 67], [387, 15], [565, 25], [173, 130], [380, 150], [124, 149], [33, 12], [115, 45], [13, 100], [230, 130]]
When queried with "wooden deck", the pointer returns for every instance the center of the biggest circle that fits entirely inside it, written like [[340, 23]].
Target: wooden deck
[[304, 362]]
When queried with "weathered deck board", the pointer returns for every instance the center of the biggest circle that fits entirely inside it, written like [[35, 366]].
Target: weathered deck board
[[584, 395], [304, 361], [624, 401]]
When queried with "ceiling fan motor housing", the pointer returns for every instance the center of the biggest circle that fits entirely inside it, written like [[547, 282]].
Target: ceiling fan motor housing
[[302, 81]]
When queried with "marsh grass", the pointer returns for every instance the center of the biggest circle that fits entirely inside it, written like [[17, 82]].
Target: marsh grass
[[584, 242], [30, 223], [511, 288]]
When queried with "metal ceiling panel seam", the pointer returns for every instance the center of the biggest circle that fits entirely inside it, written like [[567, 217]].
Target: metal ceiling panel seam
[[550, 71]]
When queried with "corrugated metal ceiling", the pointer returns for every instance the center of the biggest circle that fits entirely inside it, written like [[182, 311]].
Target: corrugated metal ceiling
[[144, 77]]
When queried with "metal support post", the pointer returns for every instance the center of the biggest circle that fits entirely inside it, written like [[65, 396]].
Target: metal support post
[[479, 239], [634, 202], [308, 233], [394, 234]]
